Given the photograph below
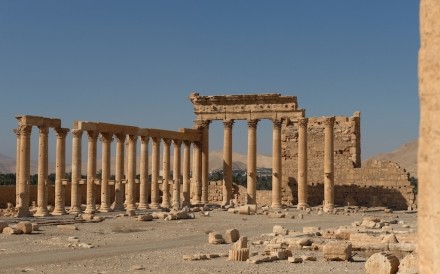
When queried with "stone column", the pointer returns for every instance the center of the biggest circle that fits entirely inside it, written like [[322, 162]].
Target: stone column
[[276, 164], [106, 139], [75, 193], [43, 167], [25, 159], [60, 173], [91, 171], [205, 160], [126, 172], [429, 141], [186, 173], [176, 174], [155, 158], [131, 168], [329, 175], [227, 161], [17, 165], [303, 195], [197, 172], [143, 187], [166, 173], [252, 163], [119, 173]]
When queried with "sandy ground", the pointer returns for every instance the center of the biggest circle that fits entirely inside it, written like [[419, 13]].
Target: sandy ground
[[126, 245]]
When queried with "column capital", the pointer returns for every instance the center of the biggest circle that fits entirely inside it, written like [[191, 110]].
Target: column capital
[[25, 129], [120, 137], [145, 139], [92, 135], [132, 138], [61, 133], [252, 123], [177, 142], [302, 122], [156, 140], [186, 143], [228, 123], [201, 124], [106, 137], [43, 130], [329, 121], [77, 133], [277, 122], [16, 131], [166, 141]]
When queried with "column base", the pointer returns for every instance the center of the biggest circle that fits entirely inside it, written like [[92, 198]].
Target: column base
[[105, 209], [75, 210], [130, 207], [165, 205], [276, 206], [302, 206], [42, 212], [59, 212], [143, 207], [23, 213], [328, 208], [90, 210], [154, 206], [117, 207]]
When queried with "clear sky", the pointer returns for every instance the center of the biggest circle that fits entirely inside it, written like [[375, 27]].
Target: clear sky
[[135, 62]]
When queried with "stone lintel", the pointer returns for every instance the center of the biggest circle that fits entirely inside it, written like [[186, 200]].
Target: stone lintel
[[188, 135], [38, 121]]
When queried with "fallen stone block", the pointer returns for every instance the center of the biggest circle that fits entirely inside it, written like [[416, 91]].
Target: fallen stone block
[[35, 227], [300, 216], [363, 241], [245, 210], [406, 247], [391, 239], [159, 215], [232, 235], [3, 225], [387, 228], [409, 265], [311, 229], [215, 238], [241, 254], [281, 254], [277, 215], [131, 212], [241, 243], [144, 218], [85, 245], [280, 230], [382, 263], [260, 259], [308, 258], [67, 227], [295, 260], [12, 231], [87, 217], [233, 210], [25, 226], [337, 251]]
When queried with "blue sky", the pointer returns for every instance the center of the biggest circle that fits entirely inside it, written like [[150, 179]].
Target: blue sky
[[135, 62]]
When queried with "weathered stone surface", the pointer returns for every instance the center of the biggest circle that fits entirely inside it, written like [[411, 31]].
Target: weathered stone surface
[[3, 225], [245, 210], [159, 215], [215, 238], [311, 229], [242, 242], [241, 254], [363, 241], [35, 227], [406, 247], [391, 238], [12, 231], [143, 218], [383, 263], [337, 251], [232, 235], [409, 264], [280, 230], [295, 260], [261, 259], [131, 212], [25, 226], [281, 254], [67, 227], [308, 258]]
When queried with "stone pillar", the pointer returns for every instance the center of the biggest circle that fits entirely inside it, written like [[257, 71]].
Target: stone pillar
[[75, 193], [276, 164], [17, 165], [227, 161], [119, 173], [43, 167], [60, 173], [176, 174], [143, 187], [166, 174], [197, 172], [186, 173], [126, 172], [106, 139], [303, 195], [429, 141], [205, 160], [155, 158], [91, 171], [131, 169], [329, 174], [252, 163], [25, 159]]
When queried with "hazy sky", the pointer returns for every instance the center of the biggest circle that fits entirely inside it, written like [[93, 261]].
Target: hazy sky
[[135, 62]]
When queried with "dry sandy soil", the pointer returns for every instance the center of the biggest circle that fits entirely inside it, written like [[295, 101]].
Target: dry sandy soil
[[125, 245]]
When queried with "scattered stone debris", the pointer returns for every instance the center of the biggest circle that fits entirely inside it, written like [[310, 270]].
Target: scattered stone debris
[[382, 263], [215, 238], [67, 227], [337, 251], [232, 235], [239, 251]]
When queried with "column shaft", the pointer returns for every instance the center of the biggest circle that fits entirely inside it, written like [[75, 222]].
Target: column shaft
[[186, 173], [43, 167], [166, 174], [176, 173], [75, 193], [106, 140], [302, 164], [23, 188], [60, 173], [329, 195], [205, 161], [276, 164], [227, 161], [119, 173], [197, 173], [91, 171], [17, 166], [131, 176], [252, 162], [143, 187], [155, 158]]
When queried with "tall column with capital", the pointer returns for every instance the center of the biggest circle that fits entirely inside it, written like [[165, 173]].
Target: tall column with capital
[[252, 163], [25, 159], [197, 173], [186, 173], [43, 167], [166, 174], [126, 172], [17, 164], [143, 186], [119, 173], [227, 161], [131, 168], [91, 171], [75, 193], [60, 172], [329, 195], [176, 173], [302, 164], [106, 139], [205, 160], [276, 164], [155, 158]]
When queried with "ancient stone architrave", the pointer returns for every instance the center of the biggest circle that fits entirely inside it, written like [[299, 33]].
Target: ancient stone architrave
[[60, 172]]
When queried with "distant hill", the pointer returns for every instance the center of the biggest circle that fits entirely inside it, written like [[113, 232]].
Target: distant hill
[[238, 160], [7, 165], [405, 156]]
